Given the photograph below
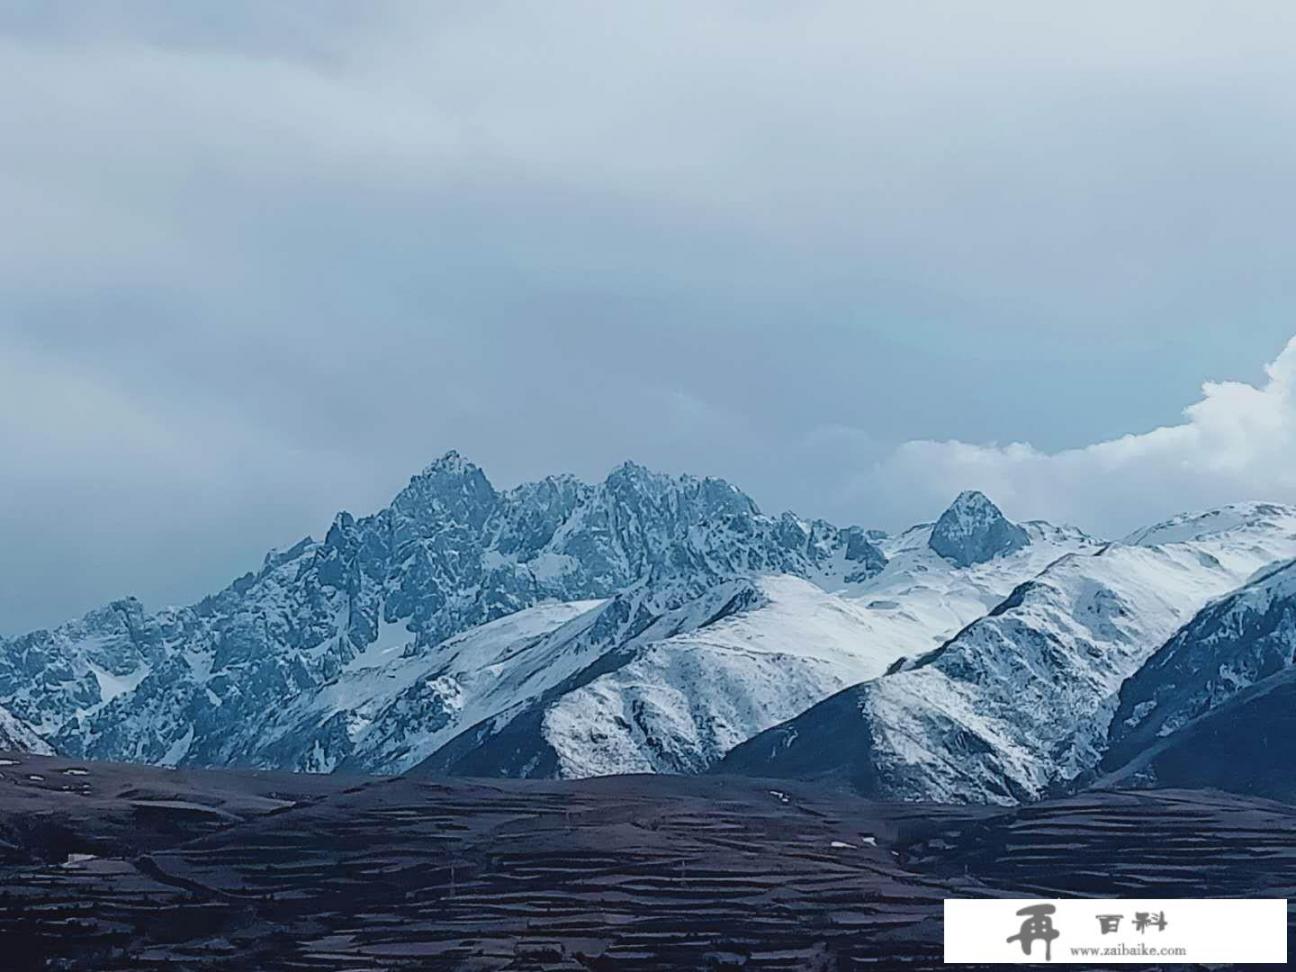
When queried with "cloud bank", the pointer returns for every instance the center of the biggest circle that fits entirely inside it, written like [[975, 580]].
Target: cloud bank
[[1235, 443]]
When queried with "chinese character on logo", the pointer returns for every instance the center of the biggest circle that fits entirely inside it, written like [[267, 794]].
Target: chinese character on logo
[[1038, 927], [1109, 923], [1143, 918]]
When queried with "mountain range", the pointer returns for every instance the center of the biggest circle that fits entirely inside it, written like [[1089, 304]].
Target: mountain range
[[1018, 704], [654, 623]]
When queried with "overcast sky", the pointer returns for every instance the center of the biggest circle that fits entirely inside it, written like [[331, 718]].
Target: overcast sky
[[263, 261]]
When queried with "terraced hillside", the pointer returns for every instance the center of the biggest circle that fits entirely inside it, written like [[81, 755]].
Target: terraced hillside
[[114, 867]]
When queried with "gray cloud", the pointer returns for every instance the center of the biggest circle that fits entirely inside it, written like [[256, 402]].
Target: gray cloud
[[264, 264]]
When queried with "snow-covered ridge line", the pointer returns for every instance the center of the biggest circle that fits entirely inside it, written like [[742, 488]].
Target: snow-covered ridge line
[[644, 623], [1019, 702], [459, 603]]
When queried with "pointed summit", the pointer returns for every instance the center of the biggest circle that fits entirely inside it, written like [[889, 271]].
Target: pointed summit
[[632, 472], [973, 530], [448, 490], [451, 463]]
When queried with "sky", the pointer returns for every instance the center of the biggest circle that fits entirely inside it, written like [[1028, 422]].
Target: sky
[[265, 260]]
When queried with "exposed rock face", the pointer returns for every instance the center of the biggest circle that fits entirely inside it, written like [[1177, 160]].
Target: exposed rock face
[[47, 677], [17, 735], [973, 531]]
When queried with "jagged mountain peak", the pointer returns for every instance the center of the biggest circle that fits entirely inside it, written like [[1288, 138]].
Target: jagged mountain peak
[[450, 481], [449, 488], [724, 494], [972, 506], [448, 473], [451, 462], [973, 530], [629, 469], [274, 557], [634, 484], [633, 478]]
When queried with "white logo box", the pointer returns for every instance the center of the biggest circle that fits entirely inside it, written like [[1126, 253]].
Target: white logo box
[[1134, 931]]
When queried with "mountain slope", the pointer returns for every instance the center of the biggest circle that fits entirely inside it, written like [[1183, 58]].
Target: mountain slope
[[678, 704], [920, 598], [682, 702], [1243, 745], [739, 659], [1235, 643], [1020, 700], [17, 735]]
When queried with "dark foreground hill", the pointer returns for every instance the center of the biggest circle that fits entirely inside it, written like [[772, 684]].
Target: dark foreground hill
[[124, 867]]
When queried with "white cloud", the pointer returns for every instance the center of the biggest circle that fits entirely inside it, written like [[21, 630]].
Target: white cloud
[[1234, 444]]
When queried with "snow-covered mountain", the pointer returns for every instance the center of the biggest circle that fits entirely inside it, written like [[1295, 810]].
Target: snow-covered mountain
[[1233, 644], [677, 704], [47, 677], [199, 684], [651, 623], [646, 622], [1020, 700]]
